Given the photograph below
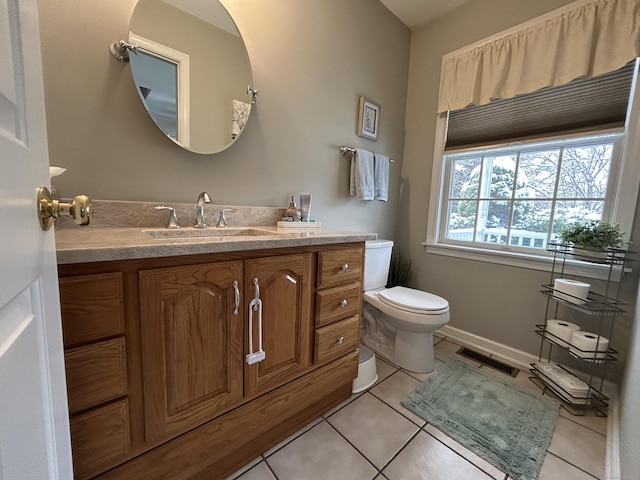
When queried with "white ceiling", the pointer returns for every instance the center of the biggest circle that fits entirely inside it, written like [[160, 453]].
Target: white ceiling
[[415, 13]]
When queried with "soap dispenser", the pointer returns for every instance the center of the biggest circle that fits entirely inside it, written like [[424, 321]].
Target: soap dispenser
[[293, 211]]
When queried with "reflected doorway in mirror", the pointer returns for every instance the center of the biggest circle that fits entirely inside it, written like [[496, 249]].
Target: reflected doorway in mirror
[[161, 75]]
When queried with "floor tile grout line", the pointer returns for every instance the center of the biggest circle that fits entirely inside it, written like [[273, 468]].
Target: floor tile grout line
[[326, 415], [572, 464], [378, 471], [462, 456], [399, 451], [271, 469], [265, 456], [396, 410], [580, 424]]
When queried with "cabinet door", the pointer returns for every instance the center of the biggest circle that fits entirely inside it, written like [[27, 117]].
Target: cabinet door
[[192, 345], [285, 292]]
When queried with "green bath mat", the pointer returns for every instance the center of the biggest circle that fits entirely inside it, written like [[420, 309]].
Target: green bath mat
[[503, 423]]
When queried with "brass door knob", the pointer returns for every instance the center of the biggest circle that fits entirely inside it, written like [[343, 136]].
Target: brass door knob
[[49, 209]]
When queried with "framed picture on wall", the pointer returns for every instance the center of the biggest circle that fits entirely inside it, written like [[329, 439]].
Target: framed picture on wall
[[368, 119]]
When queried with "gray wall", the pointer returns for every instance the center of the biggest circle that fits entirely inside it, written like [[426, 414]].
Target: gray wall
[[311, 61], [494, 301]]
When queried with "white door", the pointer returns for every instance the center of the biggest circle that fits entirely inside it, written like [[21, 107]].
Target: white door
[[34, 424]]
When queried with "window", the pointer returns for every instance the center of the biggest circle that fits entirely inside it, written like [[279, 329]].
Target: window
[[508, 175], [518, 197]]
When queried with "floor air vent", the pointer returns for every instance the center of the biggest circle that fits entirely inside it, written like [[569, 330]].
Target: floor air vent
[[489, 362]]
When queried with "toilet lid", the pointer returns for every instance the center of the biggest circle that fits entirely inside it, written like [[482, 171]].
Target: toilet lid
[[413, 300]]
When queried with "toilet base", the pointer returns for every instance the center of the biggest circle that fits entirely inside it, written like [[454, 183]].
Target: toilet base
[[411, 351]]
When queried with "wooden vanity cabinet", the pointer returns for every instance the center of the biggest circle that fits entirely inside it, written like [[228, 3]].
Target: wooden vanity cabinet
[[194, 341], [338, 303], [285, 292], [192, 345], [95, 357], [158, 382]]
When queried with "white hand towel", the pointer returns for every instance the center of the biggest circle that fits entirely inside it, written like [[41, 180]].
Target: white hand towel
[[381, 177], [361, 182]]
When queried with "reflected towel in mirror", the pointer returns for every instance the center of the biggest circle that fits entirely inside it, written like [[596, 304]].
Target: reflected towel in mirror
[[241, 112]]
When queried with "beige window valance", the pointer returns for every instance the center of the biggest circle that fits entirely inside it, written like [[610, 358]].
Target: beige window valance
[[594, 37]]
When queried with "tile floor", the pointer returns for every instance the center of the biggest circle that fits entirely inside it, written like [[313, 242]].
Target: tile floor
[[371, 436]]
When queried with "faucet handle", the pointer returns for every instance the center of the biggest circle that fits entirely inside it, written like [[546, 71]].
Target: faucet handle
[[173, 219], [222, 220]]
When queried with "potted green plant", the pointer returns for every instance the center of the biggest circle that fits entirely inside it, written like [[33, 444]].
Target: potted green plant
[[401, 269], [590, 236]]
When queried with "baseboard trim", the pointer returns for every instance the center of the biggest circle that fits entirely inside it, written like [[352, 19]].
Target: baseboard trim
[[612, 453], [510, 355]]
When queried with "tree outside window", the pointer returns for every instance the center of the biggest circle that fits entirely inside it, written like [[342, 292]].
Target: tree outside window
[[522, 197]]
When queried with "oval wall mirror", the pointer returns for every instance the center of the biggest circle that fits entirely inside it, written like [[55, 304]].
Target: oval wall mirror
[[192, 71]]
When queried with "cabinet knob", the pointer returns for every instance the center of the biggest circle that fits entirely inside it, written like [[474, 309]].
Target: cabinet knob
[[343, 303], [345, 267], [340, 340]]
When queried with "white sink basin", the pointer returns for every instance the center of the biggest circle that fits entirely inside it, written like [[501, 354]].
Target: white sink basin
[[211, 232]]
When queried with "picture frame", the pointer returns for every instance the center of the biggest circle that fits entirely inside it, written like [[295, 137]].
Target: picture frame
[[368, 119]]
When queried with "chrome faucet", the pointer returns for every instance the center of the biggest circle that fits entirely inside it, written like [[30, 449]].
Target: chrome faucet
[[173, 219], [222, 220], [202, 199]]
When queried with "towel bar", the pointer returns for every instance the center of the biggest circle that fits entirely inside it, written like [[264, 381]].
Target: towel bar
[[344, 150]]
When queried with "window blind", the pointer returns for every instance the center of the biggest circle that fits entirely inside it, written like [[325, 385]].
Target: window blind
[[581, 105]]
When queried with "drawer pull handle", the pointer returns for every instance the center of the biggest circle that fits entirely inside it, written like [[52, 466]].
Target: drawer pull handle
[[340, 340], [343, 303], [345, 267]]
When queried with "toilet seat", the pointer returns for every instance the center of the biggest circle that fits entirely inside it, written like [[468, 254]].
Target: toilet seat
[[414, 301]]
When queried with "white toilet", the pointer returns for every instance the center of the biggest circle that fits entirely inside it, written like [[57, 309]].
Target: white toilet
[[398, 322]]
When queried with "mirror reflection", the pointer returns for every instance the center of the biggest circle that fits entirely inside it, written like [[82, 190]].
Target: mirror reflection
[[191, 71]]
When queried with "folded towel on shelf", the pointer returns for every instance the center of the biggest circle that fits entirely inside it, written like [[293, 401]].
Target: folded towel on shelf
[[381, 177], [361, 180], [573, 385], [241, 112]]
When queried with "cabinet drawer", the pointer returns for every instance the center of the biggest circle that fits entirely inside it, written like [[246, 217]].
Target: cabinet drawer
[[96, 373], [92, 307], [336, 303], [99, 438], [339, 267], [336, 339]]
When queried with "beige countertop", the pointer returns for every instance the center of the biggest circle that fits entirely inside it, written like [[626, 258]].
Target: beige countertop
[[89, 244]]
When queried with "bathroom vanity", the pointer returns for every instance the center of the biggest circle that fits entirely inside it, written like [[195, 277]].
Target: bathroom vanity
[[156, 336]]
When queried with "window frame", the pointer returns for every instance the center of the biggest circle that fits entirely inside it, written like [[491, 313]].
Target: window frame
[[624, 187], [613, 136]]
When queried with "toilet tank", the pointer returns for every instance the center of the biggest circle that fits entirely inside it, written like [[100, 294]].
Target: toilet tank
[[377, 258]]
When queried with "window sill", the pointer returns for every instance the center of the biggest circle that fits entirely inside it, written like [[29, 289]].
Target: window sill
[[542, 262]]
